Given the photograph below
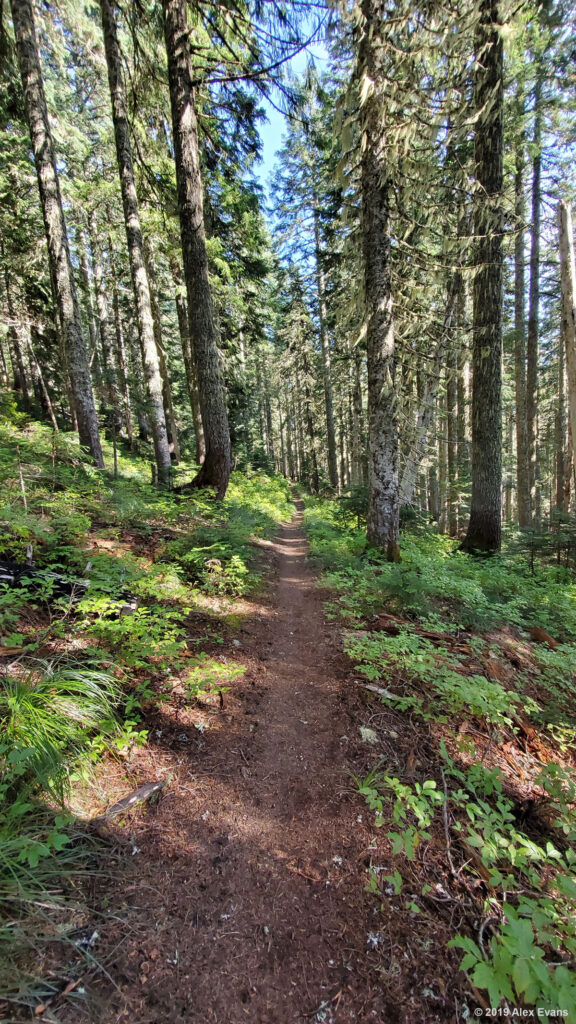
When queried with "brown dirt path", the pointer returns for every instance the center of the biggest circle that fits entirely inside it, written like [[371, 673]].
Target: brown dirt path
[[246, 897]]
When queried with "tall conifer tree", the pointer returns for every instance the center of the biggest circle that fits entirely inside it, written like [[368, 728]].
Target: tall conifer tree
[[485, 525], [61, 275]]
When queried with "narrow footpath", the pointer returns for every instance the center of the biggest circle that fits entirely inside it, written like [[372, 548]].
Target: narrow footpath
[[246, 901]]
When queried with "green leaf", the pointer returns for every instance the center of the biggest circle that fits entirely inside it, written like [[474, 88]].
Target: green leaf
[[497, 984], [521, 975], [566, 885]]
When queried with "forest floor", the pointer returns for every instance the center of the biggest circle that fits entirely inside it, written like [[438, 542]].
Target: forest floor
[[240, 895]]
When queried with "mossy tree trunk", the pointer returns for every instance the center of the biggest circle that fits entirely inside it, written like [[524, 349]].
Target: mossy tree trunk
[[61, 275], [217, 465], [485, 525], [376, 186], [140, 283]]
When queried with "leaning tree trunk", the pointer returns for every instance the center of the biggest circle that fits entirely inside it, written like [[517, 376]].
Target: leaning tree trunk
[[383, 508], [135, 244], [217, 465], [568, 271], [485, 525], [62, 279]]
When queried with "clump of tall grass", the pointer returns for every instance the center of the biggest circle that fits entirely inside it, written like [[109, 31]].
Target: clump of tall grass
[[49, 713]]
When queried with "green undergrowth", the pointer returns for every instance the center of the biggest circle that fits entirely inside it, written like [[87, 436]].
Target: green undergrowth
[[434, 581], [84, 666], [443, 641]]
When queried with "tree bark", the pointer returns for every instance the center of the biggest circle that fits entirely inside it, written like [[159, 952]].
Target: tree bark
[[62, 279], [534, 294], [314, 479], [86, 288], [568, 277], [383, 509], [109, 368], [325, 349], [189, 364], [46, 400], [522, 436], [485, 525], [169, 410], [560, 432], [452, 441], [121, 357], [357, 418], [217, 465], [426, 408], [135, 244], [20, 377]]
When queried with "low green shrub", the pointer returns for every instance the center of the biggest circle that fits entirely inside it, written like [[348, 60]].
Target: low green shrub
[[527, 953]]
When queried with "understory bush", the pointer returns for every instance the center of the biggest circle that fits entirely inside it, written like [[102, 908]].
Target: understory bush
[[421, 633], [109, 570], [49, 715], [435, 578]]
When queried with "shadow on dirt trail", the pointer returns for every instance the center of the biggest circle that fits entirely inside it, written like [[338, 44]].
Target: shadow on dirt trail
[[245, 898]]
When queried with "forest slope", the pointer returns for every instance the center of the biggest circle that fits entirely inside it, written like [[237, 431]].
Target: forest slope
[[450, 711]]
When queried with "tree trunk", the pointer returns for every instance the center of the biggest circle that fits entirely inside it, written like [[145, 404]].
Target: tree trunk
[[46, 400], [509, 481], [463, 404], [62, 279], [289, 449], [314, 480], [383, 510], [442, 464], [485, 525], [325, 348], [121, 357], [452, 442], [135, 244], [20, 377], [568, 275], [433, 494], [86, 287], [534, 293], [189, 365], [109, 369], [217, 465], [357, 416], [283, 457], [169, 411], [560, 433], [425, 412], [268, 409], [522, 436]]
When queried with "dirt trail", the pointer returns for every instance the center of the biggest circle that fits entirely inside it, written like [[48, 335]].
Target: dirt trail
[[246, 901]]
